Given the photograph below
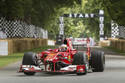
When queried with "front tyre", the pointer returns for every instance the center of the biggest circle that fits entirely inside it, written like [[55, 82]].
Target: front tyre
[[29, 73], [29, 58]]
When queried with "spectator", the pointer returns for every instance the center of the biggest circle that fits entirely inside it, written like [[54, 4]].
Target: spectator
[[2, 34], [92, 42]]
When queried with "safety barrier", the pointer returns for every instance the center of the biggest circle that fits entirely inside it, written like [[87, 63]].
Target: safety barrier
[[104, 43], [118, 44], [9, 46], [20, 29]]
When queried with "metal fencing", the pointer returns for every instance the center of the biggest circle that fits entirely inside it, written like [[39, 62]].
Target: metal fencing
[[122, 32], [117, 31], [19, 29]]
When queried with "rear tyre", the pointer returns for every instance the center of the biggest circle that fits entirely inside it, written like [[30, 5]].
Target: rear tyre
[[97, 61], [80, 59], [29, 58]]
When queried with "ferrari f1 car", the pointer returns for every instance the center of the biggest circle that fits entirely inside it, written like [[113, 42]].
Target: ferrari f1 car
[[63, 59]]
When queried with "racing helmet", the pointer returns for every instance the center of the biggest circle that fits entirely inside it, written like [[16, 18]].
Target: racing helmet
[[63, 48]]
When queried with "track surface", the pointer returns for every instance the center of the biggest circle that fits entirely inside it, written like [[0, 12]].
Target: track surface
[[114, 73]]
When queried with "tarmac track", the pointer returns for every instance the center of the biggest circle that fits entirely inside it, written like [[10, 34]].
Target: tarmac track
[[114, 73]]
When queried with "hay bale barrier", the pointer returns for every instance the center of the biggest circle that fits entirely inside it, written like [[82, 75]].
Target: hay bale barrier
[[118, 44], [104, 43], [20, 45]]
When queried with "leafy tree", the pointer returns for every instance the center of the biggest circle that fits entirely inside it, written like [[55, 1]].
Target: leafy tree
[[116, 10], [46, 13]]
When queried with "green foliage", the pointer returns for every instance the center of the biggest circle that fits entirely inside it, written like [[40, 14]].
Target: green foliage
[[30, 10], [116, 10], [46, 13], [43, 13], [93, 6], [14, 9]]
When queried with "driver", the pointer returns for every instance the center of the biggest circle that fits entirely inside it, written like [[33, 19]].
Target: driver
[[63, 48]]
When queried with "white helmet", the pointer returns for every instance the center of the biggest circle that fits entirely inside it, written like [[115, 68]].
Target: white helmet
[[63, 47]]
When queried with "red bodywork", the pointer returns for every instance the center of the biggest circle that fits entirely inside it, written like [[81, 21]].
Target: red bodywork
[[50, 58]]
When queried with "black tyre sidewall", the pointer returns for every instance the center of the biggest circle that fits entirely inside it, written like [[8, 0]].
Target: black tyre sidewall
[[97, 61], [29, 73], [29, 58]]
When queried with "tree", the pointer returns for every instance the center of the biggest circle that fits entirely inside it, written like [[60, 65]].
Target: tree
[[116, 10]]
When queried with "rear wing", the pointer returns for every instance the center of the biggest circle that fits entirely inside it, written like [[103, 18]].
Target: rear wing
[[80, 41], [72, 42], [83, 43]]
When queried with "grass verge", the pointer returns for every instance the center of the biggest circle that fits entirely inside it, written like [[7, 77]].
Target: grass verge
[[5, 60]]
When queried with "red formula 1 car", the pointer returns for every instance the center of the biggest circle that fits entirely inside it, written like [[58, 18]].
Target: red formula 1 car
[[63, 59]]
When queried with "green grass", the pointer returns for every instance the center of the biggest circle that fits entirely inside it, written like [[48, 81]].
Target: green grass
[[5, 60]]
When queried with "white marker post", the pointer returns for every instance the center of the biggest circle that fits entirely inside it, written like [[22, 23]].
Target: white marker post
[[101, 25], [86, 15], [61, 32]]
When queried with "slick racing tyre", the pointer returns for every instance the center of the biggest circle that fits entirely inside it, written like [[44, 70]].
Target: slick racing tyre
[[97, 61], [29, 58]]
